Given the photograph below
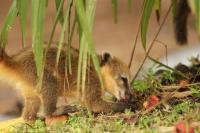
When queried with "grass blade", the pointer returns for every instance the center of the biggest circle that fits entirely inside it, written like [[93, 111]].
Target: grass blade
[[197, 16], [60, 45], [174, 4], [12, 13], [130, 4], [114, 10], [70, 37], [145, 20], [53, 29], [86, 19], [60, 16], [38, 15], [55, 24], [158, 9], [23, 9]]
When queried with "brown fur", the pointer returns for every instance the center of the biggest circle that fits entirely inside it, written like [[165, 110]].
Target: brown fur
[[20, 70]]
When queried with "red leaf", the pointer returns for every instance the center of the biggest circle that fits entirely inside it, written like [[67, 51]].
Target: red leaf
[[153, 101], [181, 128]]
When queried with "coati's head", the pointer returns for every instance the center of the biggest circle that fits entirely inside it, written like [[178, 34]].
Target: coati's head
[[116, 77]]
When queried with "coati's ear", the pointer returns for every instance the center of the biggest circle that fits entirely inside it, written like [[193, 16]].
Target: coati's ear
[[105, 58]]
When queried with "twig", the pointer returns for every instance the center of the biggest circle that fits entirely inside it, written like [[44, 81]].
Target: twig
[[152, 43], [166, 52], [136, 38], [168, 67], [173, 87], [176, 94]]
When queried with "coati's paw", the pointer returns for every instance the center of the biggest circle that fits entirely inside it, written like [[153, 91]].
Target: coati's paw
[[126, 105], [64, 110], [49, 121]]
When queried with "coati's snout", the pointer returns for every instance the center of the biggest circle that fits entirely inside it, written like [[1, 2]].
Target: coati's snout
[[116, 77]]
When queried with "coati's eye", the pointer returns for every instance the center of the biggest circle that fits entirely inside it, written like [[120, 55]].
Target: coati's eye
[[124, 79]]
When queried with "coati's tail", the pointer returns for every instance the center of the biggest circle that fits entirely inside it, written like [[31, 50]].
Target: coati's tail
[[180, 21]]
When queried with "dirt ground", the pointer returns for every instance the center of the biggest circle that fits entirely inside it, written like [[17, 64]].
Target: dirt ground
[[117, 38]]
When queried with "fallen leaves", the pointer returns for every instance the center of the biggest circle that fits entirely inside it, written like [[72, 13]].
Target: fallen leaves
[[153, 101], [183, 127]]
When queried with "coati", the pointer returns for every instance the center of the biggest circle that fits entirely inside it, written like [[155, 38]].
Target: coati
[[20, 70]]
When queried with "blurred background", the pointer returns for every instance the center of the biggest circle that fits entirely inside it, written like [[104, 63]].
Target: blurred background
[[118, 39]]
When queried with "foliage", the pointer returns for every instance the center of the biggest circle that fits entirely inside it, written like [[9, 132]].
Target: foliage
[[148, 6], [140, 85], [84, 17], [168, 116]]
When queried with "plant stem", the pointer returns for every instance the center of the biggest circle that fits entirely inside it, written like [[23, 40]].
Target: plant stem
[[152, 43], [136, 38]]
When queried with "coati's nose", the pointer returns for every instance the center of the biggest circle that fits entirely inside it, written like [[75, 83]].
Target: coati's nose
[[127, 95]]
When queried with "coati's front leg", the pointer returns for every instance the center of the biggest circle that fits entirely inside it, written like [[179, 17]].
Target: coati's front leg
[[49, 94], [108, 107], [31, 107]]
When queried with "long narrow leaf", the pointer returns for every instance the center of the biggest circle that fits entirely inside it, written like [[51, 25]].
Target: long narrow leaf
[[68, 51], [55, 22], [158, 9], [60, 16], [23, 9], [8, 23], [84, 23], [60, 45], [53, 29], [174, 4], [90, 11], [197, 16], [38, 15], [84, 68], [130, 4], [69, 45], [145, 20], [114, 9]]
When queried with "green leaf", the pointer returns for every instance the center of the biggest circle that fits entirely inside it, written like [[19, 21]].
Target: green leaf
[[64, 27], [174, 4], [12, 13], [197, 16], [70, 36], [55, 23], [60, 16], [195, 91], [158, 9], [85, 20], [145, 20], [38, 15], [114, 10], [90, 11], [23, 9], [130, 4], [53, 28]]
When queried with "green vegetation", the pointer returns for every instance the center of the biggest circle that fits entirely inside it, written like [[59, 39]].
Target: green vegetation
[[165, 114], [151, 123]]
